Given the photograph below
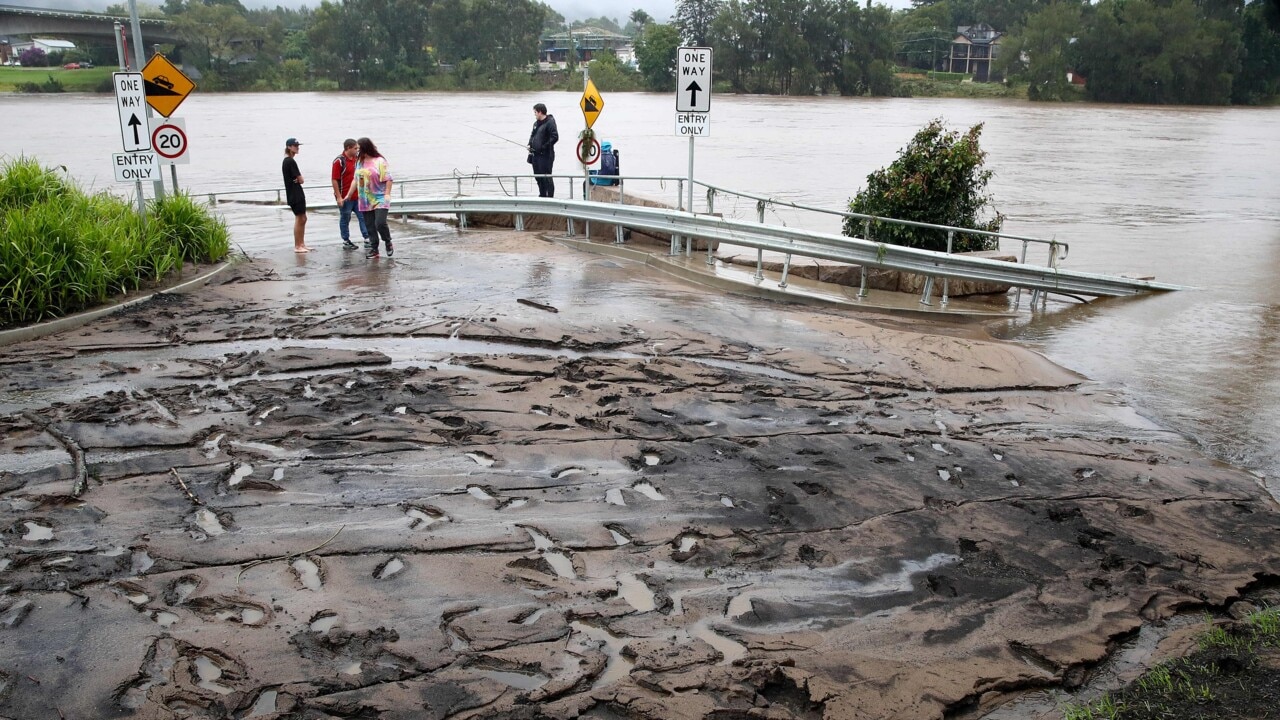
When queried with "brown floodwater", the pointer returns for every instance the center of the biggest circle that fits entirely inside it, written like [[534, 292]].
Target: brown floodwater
[[1187, 194]]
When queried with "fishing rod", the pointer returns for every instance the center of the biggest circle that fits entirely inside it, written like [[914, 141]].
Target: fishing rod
[[486, 132]]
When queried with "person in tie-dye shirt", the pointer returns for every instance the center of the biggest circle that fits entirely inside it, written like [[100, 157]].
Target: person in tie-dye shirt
[[373, 189]]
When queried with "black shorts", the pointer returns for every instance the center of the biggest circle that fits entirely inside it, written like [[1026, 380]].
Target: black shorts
[[298, 203]]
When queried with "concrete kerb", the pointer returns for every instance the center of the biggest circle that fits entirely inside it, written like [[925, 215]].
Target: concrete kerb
[[49, 327]]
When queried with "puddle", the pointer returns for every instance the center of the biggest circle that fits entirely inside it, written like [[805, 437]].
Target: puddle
[[389, 568], [517, 680], [618, 667], [277, 475], [456, 642], [265, 413], [5, 563], [352, 669], [513, 504], [561, 563], [482, 459], [307, 392], [115, 551], [67, 560], [137, 598], [618, 537], [19, 463], [726, 501], [688, 543], [533, 617], [183, 589], [566, 472], [242, 471], [164, 618], [140, 562], [540, 541], [37, 532], [614, 497], [938, 447], [260, 447], [730, 649], [401, 410], [308, 573], [648, 491], [211, 446], [997, 456], [652, 459], [479, 493], [265, 704], [323, 624], [636, 593], [208, 522], [946, 476], [209, 672]]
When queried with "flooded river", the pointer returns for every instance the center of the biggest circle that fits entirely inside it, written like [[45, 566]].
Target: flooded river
[[1190, 195]]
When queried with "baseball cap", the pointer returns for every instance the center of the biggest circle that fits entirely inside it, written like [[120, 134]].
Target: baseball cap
[[291, 141]]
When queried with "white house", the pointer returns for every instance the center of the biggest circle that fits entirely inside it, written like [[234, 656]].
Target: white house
[[45, 44]]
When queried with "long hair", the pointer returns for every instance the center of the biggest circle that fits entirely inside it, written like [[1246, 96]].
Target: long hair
[[367, 148]]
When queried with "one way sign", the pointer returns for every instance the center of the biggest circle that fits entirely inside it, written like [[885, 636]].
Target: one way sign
[[693, 80], [131, 102]]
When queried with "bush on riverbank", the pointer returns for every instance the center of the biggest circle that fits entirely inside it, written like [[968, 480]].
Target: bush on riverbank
[[62, 250], [938, 178]]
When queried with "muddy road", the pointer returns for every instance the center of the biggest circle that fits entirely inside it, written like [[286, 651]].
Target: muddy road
[[330, 488]]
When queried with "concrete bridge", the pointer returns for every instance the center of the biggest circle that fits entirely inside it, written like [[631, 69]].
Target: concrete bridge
[[16, 20]]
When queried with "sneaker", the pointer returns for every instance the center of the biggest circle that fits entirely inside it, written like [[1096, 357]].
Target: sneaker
[[372, 254], [348, 245], [390, 250]]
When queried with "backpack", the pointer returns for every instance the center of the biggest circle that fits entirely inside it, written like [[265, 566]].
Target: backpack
[[608, 166], [342, 168]]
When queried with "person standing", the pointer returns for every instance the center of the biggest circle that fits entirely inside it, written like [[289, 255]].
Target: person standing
[[542, 149], [373, 186], [294, 195], [342, 175]]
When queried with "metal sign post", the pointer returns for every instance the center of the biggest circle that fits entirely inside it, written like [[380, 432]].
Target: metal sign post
[[123, 60], [693, 99], [138, 53]]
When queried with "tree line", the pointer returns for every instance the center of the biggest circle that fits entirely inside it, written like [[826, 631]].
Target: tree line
[[1145, 51]]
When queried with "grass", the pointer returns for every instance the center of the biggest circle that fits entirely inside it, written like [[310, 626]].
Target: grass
[[1230, 674], [62, 250], [95, 79]]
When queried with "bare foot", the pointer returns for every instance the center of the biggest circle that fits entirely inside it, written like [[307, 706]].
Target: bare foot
[[302, 249]]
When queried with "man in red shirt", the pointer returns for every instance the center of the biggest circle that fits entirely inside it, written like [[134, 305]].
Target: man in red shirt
[[342, 175]]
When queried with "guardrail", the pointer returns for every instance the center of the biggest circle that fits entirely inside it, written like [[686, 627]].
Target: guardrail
[[509, 186], [857, 251]]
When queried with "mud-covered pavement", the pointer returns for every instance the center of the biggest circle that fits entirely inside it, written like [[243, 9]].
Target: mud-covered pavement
[[332, 488]]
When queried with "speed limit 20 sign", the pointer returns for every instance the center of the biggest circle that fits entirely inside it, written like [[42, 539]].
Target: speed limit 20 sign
[[169, 140]]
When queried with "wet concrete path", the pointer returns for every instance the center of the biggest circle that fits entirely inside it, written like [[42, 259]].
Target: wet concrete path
[[332, 487]]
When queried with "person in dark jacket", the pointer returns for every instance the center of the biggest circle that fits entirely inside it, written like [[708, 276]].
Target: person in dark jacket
[[542, 149], [294, 195]]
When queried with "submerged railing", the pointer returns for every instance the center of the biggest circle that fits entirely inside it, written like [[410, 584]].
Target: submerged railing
[[683, 225]]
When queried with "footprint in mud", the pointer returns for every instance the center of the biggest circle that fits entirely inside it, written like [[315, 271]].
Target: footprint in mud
[[212, 523], [483, 459], [37, 532], [648, 490], [181, 589], [308, 572], [686, 546], [388, 569], [323, 621], [424, 516], [210, 669], [230, 609], [636, 592], [620, 534], [133, 592], [560, 560], [567, 472], [726, 501]]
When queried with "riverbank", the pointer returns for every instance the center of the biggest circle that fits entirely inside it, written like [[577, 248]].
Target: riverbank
[[493, 475]]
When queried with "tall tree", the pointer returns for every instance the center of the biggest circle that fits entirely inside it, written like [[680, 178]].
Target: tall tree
[[736, 44], [656, 53], [694, 17], [1041, 52]]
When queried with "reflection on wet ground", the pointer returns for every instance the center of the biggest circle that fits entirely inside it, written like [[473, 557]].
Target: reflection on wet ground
[[352, 490]]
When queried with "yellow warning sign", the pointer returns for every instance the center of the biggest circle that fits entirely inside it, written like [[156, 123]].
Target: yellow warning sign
[[592, 104], [166, 86]]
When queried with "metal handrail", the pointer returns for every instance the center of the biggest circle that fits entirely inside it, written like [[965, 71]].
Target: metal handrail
[[790, 241]]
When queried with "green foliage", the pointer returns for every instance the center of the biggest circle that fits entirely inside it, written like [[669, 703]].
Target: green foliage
[[609, 74], [946, 77], [62, 250], [938, 178], [694, 18], [1040, 53], [656, 53], [1259, 78], [1165, 52]]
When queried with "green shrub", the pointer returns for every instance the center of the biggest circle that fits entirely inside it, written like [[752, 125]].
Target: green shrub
[[938, 178], [62, 250]]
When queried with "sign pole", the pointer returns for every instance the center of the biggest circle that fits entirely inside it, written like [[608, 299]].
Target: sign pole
[[690, 174], [139, 54], [123, 59], [586, 174], [173, 169]]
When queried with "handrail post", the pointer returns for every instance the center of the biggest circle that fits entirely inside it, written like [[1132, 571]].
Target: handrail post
[[946, 281], [760, 211], [711, 201], [759, 264], [1017, 297], [866, 235], [786, 270], [928, 290]]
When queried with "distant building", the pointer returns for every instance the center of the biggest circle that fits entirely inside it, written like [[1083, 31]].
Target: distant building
[[585, 43], [45, 44], [973, 49]]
